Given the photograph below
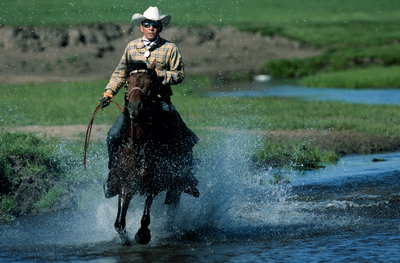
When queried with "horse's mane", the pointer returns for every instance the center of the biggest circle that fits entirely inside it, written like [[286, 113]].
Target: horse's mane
[[138, 65]]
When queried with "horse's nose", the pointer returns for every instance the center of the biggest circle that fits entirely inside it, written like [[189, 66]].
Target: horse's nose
[[134, 108]]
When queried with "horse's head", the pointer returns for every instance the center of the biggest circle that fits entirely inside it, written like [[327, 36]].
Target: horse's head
[[142, 87]]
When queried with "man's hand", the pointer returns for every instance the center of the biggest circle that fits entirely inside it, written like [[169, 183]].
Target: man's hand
[[105, 100]]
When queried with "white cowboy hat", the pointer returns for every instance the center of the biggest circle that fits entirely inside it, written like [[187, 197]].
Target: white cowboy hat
[[151, 13]]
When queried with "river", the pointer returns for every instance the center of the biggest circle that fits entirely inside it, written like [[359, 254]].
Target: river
[[348, 212], [291, 89]]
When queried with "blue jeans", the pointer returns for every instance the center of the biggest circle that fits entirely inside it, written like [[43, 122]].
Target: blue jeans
[[114, 137]]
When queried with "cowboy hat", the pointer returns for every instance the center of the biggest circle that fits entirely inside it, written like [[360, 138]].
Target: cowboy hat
[[151, 13]]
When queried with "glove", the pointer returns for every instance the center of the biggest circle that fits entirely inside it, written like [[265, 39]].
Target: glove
[[105, 100], [167, 107]]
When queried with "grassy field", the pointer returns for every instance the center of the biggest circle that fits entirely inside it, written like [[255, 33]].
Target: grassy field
[[71, 103], [336, 26], [373, 78]]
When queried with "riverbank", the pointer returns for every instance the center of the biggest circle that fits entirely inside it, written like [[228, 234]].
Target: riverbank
[[342, 142]]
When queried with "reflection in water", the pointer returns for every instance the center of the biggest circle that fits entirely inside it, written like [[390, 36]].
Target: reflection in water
[[264, 89]]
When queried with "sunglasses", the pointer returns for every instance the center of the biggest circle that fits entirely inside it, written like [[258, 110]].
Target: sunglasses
[[149, 23]]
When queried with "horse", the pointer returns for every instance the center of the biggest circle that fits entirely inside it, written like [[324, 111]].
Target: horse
[[151, 158]]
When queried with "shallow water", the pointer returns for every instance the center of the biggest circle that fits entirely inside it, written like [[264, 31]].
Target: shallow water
[[346, 212], [279, 89]]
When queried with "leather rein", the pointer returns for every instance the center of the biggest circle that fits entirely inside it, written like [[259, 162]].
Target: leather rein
[[89, 129]]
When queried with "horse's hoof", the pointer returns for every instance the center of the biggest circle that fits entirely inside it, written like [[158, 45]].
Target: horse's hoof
[[124, 237], [143, 236], [126, 242]]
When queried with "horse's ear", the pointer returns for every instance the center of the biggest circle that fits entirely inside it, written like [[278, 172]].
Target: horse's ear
[[153, 65]]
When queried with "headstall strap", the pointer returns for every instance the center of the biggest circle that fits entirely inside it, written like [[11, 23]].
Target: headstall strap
[[138, 71], [136, 88]]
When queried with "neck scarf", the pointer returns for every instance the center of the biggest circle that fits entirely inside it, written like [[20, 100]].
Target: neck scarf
[[149, 44]]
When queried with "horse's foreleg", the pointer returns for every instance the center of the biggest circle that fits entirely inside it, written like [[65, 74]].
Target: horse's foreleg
[[120, 223], [143, 235], [172, 199]]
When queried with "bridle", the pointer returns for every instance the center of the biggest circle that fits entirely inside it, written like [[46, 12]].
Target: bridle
[[133, 106], [135, 88], [139, 72]]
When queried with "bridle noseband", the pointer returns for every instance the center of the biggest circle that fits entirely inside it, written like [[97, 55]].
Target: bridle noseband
[[138, 71], [137, 105], [136, 88]]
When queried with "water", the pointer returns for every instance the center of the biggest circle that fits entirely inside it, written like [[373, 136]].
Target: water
[[272, 89], [345, 212]]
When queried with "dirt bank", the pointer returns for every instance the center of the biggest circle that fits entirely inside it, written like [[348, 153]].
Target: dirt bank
[[34, 54]]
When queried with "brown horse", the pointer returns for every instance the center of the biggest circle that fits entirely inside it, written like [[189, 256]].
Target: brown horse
[[152, 157]]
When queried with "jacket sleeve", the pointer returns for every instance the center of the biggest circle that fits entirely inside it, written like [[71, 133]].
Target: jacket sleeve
[[175, 73], [120, 74]]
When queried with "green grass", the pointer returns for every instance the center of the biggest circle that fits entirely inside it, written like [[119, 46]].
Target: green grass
[[26, 157], [7, 208], [296, 154], [350, 64], [50, 169], [60, 103], [50, 199], [373, 77], [334, 61], [73, 103]]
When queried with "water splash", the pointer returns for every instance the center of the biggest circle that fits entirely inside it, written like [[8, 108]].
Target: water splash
[[233, 195], [236, 203]]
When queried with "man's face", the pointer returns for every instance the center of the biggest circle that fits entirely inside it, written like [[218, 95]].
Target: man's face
[[151, 29]]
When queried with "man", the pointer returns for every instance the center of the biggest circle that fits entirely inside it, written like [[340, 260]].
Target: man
[[169, 68]]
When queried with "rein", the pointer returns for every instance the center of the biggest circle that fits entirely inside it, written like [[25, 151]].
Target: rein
[[89, 129]]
